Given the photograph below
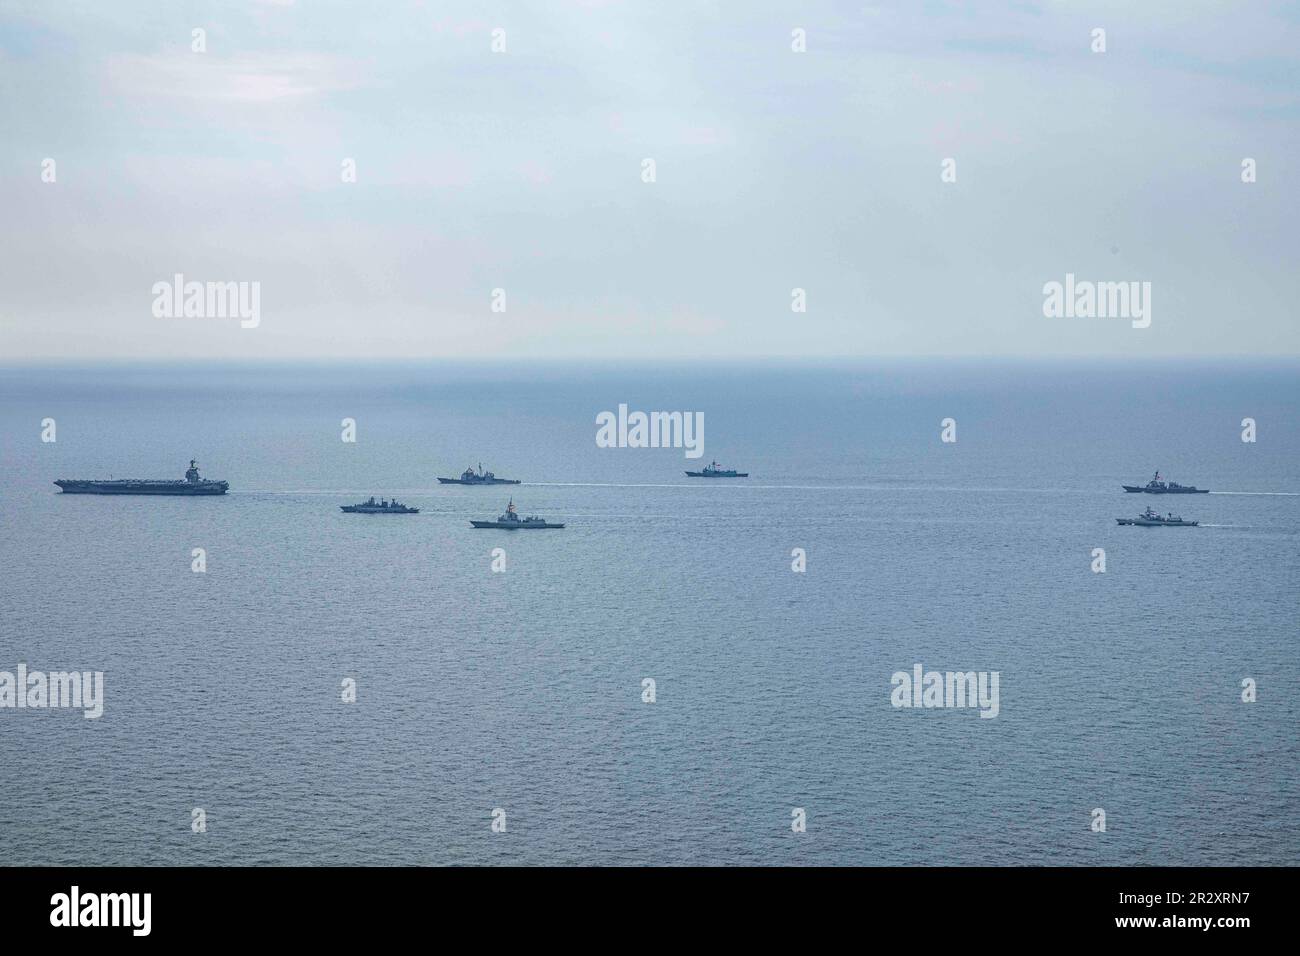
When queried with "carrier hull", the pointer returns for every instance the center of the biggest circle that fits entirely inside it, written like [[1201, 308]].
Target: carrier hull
[[176, 488]]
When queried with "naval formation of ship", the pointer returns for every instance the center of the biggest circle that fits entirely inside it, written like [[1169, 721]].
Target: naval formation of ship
[[1157, 486], [471, 477], [1153, 519], [191, 485]]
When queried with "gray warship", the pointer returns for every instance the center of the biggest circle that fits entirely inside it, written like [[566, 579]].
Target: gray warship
[[714, 470], [511, 521], [191, 485], [1156, 486], [381, 507], [1153, 519], [471, 477]]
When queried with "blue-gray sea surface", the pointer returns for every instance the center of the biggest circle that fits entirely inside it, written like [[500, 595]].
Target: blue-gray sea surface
[[522, 690]]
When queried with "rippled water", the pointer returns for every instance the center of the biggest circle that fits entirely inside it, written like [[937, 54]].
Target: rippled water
[[522, 690]]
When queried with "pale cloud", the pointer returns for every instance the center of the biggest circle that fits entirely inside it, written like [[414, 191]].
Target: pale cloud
[[250, 78]]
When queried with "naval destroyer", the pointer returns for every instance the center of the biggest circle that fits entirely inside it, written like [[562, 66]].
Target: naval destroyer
[[510, 521], [1157, 486]]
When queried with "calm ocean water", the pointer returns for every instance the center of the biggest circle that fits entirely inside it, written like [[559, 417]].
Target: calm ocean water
[[522, 690]]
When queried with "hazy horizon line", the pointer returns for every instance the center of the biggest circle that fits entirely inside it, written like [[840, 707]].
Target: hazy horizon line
[[20, 364]]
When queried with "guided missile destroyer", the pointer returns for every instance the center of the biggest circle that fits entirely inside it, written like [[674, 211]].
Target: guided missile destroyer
[[510, 521], [1157, 486]]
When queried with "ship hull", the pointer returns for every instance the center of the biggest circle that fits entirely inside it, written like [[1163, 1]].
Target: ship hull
[[514, 527], [142, 488], [1166, 491], [492, 481], [1139, 522], [352, 510], [700, 474]]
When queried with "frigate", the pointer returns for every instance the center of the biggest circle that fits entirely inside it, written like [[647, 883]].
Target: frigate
[[1153, 519], [714, 470], [381, 507]]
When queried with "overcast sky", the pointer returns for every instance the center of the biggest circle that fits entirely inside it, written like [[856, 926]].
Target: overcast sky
[[522, 170]]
